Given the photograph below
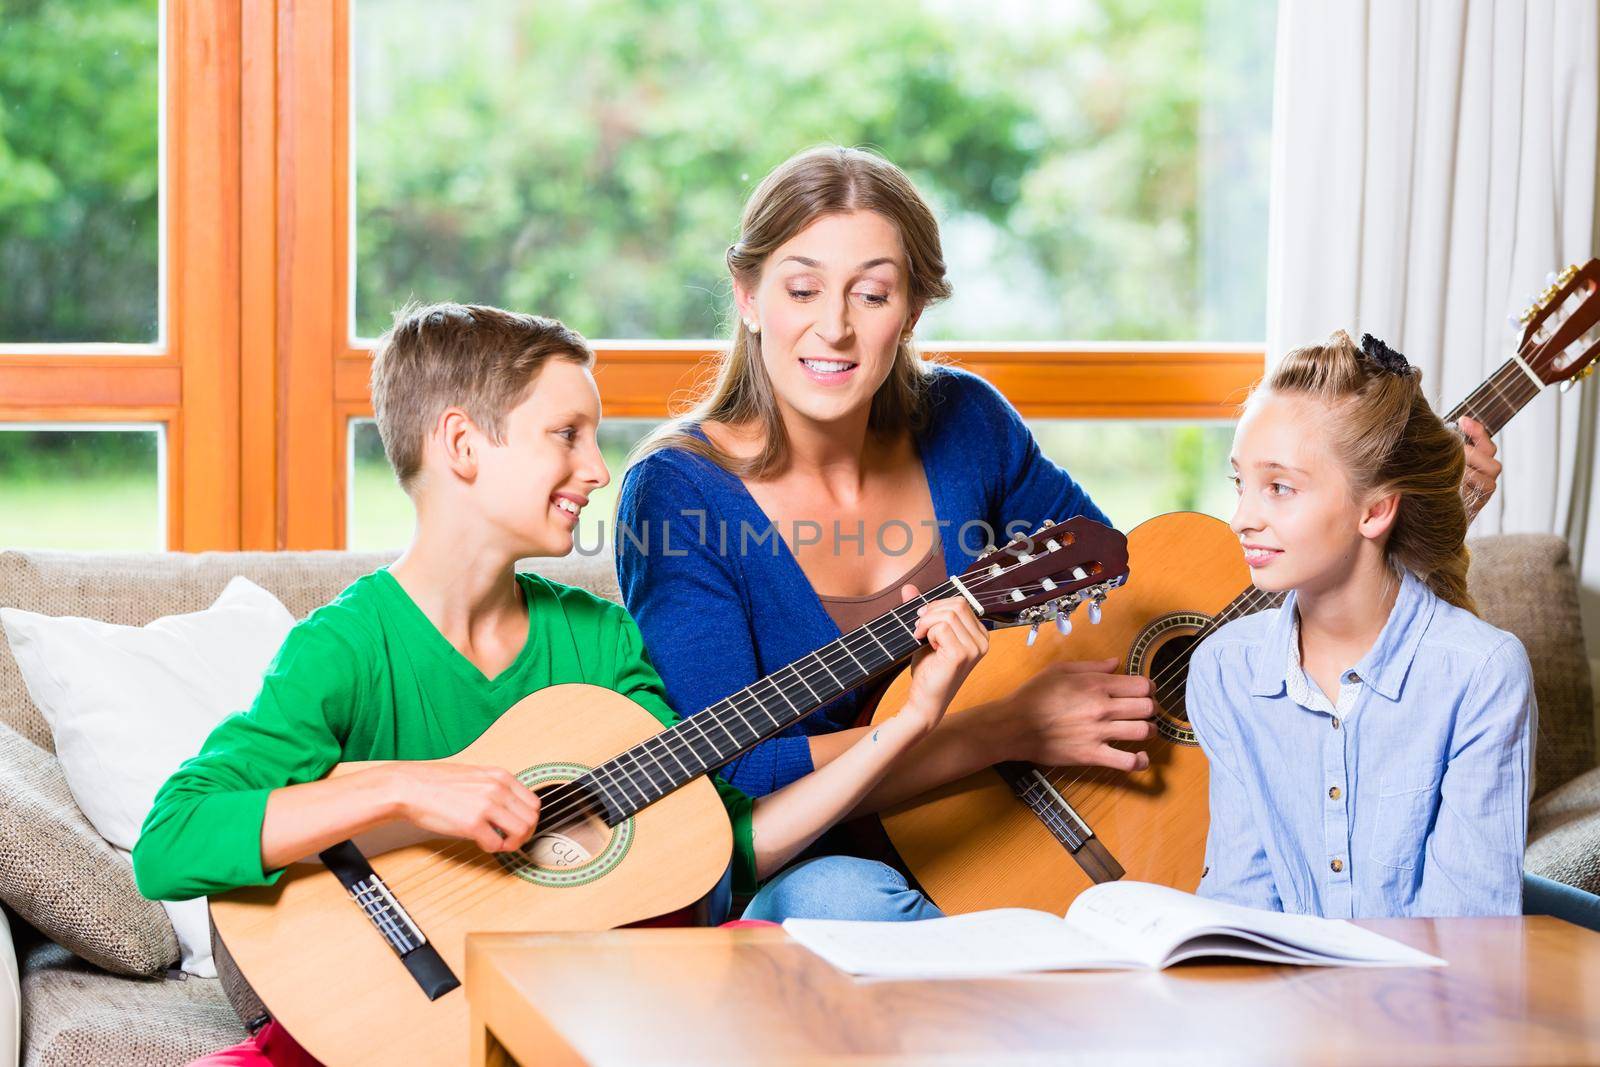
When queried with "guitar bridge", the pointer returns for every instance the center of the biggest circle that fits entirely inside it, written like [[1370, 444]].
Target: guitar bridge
[[373, 897], [1034, 789], [392, 922]]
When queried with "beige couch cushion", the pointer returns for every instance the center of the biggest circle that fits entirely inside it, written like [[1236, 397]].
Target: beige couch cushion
[[135, 589], [1524, 583], [76, 1016], [1564, 833], [61, 876]]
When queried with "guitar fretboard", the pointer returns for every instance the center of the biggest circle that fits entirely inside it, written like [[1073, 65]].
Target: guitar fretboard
[[729, 728], [1503, 394]]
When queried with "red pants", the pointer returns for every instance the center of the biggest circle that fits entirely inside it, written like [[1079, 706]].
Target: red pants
[[270, 1047], [273, 1047]]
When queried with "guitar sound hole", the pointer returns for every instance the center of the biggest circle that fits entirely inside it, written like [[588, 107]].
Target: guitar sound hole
[[1169, 670], [560, 843]]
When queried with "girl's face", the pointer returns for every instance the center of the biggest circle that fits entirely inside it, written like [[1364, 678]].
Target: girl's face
[[1297, 518], [832, 305]]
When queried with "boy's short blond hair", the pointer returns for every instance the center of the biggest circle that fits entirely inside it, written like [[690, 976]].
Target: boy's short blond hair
[[481, 359]]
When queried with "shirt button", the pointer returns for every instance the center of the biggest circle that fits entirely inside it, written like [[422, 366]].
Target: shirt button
[[1337, 865], [1336, 722], [1334, 793], [1352, 678]]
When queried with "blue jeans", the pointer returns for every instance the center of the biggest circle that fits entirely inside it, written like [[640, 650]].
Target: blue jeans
[[1541, 896], [840, 887]]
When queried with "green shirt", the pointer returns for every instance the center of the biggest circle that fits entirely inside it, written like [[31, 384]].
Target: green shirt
[[369, 677]]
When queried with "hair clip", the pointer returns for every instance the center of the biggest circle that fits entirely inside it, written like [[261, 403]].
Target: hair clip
[[1386, 358]]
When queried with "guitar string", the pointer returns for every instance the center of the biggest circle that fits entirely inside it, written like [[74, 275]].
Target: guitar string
[[424, 893], [697, 724], [1171, 683]]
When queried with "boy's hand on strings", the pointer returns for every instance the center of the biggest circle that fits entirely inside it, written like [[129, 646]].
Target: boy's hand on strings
[[1483, 470], [487, 805], [1074, 714], [956, 642]]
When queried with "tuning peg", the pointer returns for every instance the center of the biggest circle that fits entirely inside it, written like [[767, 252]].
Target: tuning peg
[[1550, 279], [1049, 522], [1033, 634], [1094, 612], [1514, 319], [1064, 624]]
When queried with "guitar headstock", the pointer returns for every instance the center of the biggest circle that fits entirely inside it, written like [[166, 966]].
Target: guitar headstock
[[1047, 574], [1561, 329]]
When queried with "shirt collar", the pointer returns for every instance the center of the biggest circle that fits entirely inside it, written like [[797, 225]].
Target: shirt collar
[[1385, 665]]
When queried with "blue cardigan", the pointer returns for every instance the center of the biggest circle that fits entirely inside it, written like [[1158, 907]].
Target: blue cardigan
[[716, 619]]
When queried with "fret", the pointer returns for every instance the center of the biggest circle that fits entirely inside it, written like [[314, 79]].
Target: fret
[[812, 681], [639, 767]]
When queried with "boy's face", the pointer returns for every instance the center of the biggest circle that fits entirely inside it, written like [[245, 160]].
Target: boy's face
[[533, 486], [1296, 518], [832, 304]]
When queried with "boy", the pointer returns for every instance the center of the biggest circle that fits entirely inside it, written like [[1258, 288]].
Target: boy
[[489, 420]]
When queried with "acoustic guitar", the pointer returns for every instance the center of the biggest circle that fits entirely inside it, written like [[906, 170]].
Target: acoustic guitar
[[1019, 835], [361, 957]]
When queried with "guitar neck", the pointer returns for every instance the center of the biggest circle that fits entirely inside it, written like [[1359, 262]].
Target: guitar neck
[[1503, 394], [731, 727]]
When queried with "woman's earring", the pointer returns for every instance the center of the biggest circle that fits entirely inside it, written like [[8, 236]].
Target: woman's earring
[[752, 325]]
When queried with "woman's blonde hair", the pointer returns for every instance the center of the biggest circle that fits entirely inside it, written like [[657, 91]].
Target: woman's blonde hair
[[829, 180], [1389, 440]]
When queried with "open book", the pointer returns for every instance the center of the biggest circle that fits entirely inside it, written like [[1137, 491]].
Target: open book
[[1112, 926]]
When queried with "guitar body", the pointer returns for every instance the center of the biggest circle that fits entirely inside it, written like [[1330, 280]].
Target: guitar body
[[975, 844], [325, 974]]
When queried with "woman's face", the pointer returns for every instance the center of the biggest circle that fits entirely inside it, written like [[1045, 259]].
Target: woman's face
[[1297, 517], [831, 305]]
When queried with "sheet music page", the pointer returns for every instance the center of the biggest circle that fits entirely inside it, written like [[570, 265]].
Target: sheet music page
[[1151, 921], [1003, 941]]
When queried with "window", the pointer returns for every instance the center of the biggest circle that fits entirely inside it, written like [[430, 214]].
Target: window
[[204, 208], [83, 487], [80, 172], [1099, 168]]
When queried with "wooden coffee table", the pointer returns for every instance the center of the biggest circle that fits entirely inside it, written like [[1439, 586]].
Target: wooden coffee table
[[1517, 991]]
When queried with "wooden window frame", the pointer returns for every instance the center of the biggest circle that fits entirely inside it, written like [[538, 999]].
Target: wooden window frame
[[260, 376]]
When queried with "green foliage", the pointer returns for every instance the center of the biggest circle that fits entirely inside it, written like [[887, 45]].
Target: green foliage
[[79, 173], [590, 159]]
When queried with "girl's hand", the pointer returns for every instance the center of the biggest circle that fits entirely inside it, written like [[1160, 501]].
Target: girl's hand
[[1483, 470], [956, 642], [487, 805]]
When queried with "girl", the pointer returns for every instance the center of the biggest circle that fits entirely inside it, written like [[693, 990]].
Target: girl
[[1370, 740]]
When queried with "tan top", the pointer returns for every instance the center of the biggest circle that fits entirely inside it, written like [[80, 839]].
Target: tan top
[[849, 612]]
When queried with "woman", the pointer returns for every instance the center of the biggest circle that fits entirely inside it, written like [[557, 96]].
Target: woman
[[870, 471]]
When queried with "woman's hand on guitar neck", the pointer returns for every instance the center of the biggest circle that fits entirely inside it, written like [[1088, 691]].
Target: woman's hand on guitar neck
[[956, 642], [1073, 714]]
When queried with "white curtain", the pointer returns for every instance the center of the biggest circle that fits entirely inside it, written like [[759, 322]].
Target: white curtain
[[1432, 162]]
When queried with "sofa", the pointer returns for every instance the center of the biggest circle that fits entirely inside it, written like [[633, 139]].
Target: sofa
[[73, 1012]]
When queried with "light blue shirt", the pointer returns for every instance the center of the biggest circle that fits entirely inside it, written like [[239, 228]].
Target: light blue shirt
[[1406, 795]]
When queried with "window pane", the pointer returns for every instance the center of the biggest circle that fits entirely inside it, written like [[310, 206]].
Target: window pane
[[80, 171], [83, 487], [1099, 167], [380, 516], [1137, 470]]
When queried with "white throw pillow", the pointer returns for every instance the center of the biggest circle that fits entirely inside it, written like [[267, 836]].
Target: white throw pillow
[[128, 704]]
